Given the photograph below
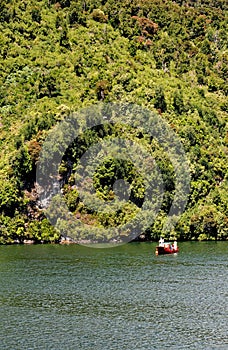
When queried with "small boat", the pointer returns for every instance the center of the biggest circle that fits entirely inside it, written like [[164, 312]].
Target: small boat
[[166, 247]]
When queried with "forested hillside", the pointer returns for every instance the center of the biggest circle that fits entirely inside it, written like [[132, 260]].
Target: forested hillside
[[170, 57]]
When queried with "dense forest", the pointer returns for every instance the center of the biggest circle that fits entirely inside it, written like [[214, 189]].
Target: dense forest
[[59, 57]]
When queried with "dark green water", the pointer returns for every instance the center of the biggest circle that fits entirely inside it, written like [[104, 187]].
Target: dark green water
[[72, 297]]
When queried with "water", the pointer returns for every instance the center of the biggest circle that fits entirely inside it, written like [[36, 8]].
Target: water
[[73, 297]]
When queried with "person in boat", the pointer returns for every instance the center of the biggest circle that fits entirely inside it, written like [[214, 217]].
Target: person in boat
[[161, 242]]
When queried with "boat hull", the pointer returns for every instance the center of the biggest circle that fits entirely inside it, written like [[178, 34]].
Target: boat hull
[[163, 250]]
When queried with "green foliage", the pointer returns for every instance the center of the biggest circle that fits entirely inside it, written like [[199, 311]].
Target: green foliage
[[43, 231], [72, 199], [22, 166], [60, 56], [113, 169], [99, 16], [12, 229], [178, 102], [9, 196]]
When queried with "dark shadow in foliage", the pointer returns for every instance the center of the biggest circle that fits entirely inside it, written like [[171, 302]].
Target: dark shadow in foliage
[[77, 15], [178, 102], [36, 14], [22, 165], [48, 86], [159, 100], [64, 40]]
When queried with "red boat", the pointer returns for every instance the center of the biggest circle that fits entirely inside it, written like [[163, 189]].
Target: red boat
[[166, 248]]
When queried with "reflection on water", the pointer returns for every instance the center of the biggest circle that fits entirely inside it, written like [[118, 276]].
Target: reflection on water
[[73, 297]]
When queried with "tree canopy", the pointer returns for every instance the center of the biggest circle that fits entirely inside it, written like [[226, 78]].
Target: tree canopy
[[57, 57]]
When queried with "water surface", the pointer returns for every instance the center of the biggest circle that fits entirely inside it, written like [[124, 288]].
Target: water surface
[[73, 297]]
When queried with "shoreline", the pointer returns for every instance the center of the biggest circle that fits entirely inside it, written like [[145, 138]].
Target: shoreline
[[70, 241]]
